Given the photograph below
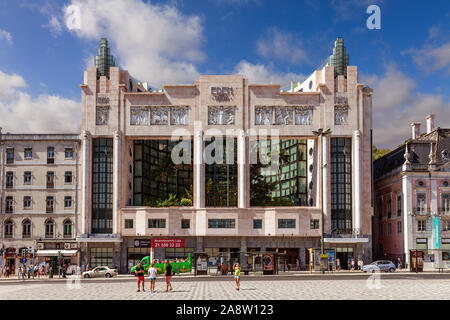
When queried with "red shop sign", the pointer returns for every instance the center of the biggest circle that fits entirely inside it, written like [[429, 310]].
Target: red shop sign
[[167, 243]]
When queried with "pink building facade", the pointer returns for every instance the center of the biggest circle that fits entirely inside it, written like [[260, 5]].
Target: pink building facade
[[411, 184]]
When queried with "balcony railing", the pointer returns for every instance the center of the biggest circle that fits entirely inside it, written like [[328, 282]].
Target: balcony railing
[[444, 211], [422, 211], [49, 209]]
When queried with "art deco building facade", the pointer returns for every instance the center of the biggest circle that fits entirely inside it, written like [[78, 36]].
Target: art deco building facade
[[412, 200], [133, 190]]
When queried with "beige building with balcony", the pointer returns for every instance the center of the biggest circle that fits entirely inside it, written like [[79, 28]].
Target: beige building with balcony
[[133, 189], [39, 192]]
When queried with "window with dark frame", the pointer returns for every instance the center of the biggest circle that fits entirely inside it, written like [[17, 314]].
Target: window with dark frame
[[9, 205], [28, 153], [389, 208], [421, 225], [399, 227], [185, 223], [50, 180], [67, 228], [10, 155], [68, 202], [26, 202], [399, 205], [389, 229], [221, 223], [49, 229], [129, 223], [314, 224], [9, 229], [156, 223], [27, 177], [68, 177], [68, 153], [9, 179], [26, 229], [286, 223], [257, 223], [341, 184], [50, 154], [49, 204]]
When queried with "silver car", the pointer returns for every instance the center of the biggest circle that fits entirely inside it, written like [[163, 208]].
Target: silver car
[[101, 271], [380, 265]]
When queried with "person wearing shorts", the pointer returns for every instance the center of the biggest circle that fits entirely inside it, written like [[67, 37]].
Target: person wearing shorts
[[140, 277], [237, 275], [152, 273], [168, 274]]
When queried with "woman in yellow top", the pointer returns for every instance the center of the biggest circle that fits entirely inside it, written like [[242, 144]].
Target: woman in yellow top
[[237, 275]]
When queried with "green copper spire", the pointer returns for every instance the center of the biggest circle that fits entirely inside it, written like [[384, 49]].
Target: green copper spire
[[104, 60], [339, 60]]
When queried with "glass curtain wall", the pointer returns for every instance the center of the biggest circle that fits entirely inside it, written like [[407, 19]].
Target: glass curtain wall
[[102, 174], [284, 184], [158, 181], [221, 175], [341, 184]]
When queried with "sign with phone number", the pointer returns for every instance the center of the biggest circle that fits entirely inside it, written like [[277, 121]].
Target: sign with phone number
[[167, 243]]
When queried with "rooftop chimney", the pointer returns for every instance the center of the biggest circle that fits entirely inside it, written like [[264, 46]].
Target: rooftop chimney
[[415, 130], [430, 123]]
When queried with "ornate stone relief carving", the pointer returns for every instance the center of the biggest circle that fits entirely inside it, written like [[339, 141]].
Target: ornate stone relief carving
[[445, 155], [303, 116], [283, 115], [179, 116], [159, 116], [139, 116], [340, 115], [263, 115], [221, 115], [101, 116]]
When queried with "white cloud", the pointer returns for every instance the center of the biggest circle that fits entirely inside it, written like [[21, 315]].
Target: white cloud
[[6, 35], [430, 58], [21, 113], [155, 43], [262, 74], [281, 45], [397, 103], [55, 26]]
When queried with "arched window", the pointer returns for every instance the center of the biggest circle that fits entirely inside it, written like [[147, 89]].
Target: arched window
[[49, 229], [26, 228], [67, 228], [9, 229]]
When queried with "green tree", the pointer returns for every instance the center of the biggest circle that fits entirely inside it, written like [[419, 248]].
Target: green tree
[[378, 153]]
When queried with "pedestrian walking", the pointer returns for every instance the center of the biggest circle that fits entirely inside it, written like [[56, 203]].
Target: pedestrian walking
[[168, 274], [338, 265], [353, 264], [399, 263], [7, 272], [237, 275], [152, 275], [359, 263], [140, 277], [219, 268], [297, 261]]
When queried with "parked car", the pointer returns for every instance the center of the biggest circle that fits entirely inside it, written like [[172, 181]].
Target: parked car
[[380, 265], [101, 271]]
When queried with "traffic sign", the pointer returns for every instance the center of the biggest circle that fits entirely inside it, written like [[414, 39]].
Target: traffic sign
[[23, 260]]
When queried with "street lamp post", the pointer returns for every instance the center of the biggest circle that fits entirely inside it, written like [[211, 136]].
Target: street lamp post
[[322, 133]]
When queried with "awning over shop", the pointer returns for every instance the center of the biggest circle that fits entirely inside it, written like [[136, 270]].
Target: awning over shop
[[54, 253], [346, 240]]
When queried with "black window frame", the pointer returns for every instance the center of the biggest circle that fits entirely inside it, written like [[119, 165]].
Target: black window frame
[[314, 224], [9, 204], [26, 229], [127, 224], [9, 181], [8, 231], [226, 223], [286, 223], [257, 223], [9, 155], [185, 223], [68, 177], [158, 223], [49, 229], [27, 177], [25, 151], [50, 155]]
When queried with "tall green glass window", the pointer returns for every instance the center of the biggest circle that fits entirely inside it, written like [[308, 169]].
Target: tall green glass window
[[158, 181], [221, 178], [341, 184], [285, 186], [102, 181]]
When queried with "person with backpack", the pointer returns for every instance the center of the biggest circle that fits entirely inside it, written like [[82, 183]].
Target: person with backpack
[[168, 274]]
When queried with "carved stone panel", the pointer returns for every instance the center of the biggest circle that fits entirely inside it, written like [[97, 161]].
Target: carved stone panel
[[221, 115], [101, 116], [139, 116], [159, 116], [340, 115], [303, 116], [179, 116], [263, 115], [283, 115]]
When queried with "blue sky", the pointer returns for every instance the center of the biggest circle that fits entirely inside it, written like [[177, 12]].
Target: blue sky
[[407, 62]]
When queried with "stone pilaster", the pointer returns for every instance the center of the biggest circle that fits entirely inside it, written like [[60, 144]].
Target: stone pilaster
[[116, 181], [357, 159]]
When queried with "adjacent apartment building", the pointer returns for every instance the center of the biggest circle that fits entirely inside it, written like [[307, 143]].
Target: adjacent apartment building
[[412, 200], [39, 194], [230, 168]]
